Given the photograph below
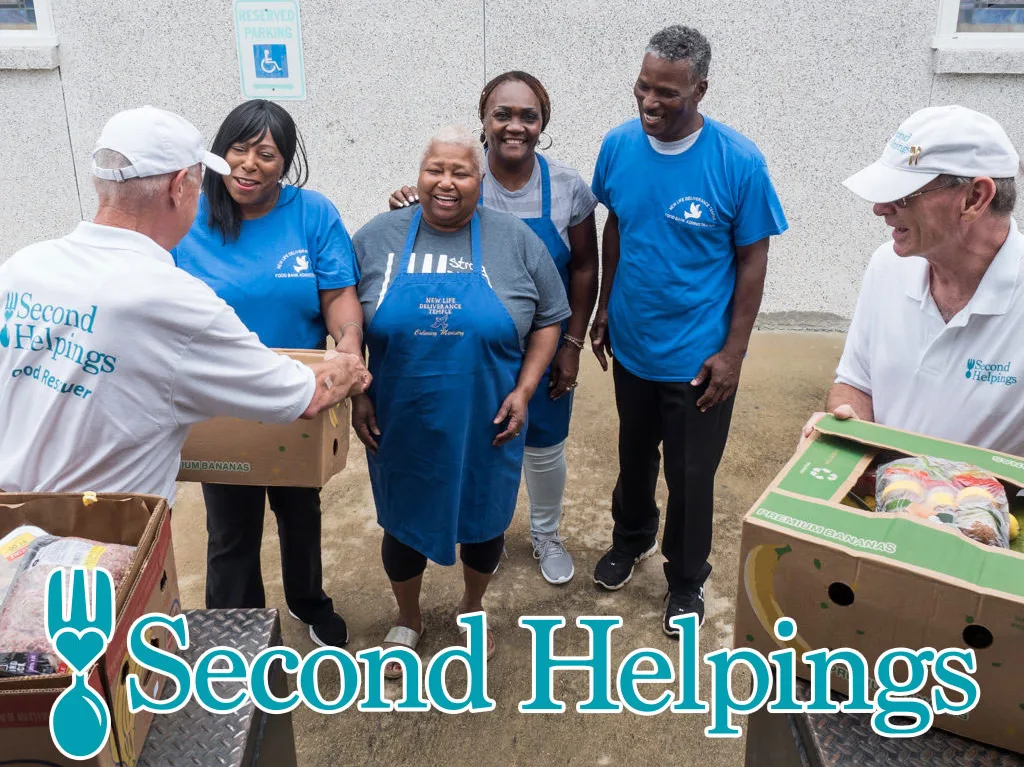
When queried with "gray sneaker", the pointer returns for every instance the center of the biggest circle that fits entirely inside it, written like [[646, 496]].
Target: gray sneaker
[[555, 562]]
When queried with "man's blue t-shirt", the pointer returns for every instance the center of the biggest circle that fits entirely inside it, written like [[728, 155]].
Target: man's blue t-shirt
[[681, 218], [272, 274]]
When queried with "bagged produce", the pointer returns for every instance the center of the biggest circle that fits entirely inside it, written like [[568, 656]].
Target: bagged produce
[[12, 547], [948, 492], [22, 612]]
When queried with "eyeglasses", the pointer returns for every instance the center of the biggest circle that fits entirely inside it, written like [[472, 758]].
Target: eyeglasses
[[902, 202]]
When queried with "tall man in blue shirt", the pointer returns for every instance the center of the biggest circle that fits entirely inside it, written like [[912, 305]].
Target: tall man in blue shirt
[[690, 211]]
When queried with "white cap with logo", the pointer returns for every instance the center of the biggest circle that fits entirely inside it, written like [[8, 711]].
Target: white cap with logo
[[935, 140], [155, 142]]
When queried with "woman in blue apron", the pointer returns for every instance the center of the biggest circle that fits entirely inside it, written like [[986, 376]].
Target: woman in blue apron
[[464, 309], [558, 205]]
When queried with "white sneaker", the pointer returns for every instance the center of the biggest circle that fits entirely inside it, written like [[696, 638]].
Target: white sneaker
[[555, 563]]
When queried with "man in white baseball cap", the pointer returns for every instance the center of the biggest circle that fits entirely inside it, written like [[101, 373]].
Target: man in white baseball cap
[[109, 352], [936, 345]]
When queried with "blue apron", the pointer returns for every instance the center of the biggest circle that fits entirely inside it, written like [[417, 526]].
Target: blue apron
[[549, 419], [444, 354]]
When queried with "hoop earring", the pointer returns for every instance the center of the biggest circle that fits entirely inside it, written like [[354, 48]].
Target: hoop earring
[[551, 141]]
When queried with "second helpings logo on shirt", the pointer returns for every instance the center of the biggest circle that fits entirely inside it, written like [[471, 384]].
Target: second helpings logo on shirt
[[990, 372], [693, 211], [294, 263]]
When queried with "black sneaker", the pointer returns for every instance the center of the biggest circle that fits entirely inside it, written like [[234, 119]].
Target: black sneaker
[[615, 569], [330, 632], [682, 603]]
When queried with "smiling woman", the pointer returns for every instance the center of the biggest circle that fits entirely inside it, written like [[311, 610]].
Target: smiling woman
[[463, 306], [280, 256]]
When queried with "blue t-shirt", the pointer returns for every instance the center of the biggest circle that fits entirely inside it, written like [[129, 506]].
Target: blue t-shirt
[[681, 218], [273, 273]]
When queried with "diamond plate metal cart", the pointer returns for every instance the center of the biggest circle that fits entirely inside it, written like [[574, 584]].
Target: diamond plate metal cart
[[845, 740], [193, 737]]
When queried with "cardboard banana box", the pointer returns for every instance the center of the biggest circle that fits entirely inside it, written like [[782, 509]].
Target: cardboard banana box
[[872, 582], [305, 453]]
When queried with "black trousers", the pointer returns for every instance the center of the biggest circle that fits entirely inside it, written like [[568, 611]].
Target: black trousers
[[653, 413], [234, 524]]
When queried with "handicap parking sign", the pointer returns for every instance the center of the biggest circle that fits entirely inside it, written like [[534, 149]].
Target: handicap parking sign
[[271, 60]]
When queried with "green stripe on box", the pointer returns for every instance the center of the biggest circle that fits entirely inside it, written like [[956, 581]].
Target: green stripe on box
[[822, 468], [900, 539], [1010, 467]]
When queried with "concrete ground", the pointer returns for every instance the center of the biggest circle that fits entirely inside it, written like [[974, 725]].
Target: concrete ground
[[784, 379]]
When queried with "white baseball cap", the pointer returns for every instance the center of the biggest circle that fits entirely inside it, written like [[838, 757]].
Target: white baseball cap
[[155, 142], [932, 141]]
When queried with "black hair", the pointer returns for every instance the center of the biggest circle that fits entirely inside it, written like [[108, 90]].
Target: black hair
[[251, 120]]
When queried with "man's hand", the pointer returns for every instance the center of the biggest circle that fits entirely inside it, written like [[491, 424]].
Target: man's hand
[[600, 341], [403, 198], [565, 368], [513, 409], [842, 413], [722, 370], [364, 421], [340, 375]]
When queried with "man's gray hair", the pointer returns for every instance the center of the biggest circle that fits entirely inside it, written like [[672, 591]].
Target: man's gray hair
[[458, 135], [135, 192], [1003, 201], [677, 43]]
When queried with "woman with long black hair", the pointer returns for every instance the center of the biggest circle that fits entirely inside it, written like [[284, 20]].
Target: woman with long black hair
[[280, 256]]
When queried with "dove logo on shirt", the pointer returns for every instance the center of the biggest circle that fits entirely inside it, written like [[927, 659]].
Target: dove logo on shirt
[[294, 263], [693, 211]]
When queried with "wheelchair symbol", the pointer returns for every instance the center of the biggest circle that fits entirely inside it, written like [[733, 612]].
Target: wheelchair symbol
[[271, 61], [824, 474]]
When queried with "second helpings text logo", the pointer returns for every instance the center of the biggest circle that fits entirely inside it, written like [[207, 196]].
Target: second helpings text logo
[[990, 372], [894, 689]]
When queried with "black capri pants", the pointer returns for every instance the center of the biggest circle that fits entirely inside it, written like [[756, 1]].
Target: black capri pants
[[403, 562]]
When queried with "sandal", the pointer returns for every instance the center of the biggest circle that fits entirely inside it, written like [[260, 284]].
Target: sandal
[[400, 636], [491, 644]]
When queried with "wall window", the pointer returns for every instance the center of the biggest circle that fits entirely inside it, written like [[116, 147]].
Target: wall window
[[980, 25], [18, 15]]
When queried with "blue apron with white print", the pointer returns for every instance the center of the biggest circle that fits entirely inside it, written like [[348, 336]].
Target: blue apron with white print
[[444, 354], [549, 419]]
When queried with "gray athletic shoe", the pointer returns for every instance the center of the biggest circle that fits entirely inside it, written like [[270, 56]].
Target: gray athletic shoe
[[555, 562]]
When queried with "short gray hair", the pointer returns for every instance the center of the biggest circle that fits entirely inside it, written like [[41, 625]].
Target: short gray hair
[[677, 43], [458, 135], [1003, 201], [135, 192]]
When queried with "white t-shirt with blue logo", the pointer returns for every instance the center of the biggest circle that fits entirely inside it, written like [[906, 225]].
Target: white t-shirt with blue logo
[[961, 381], [108, 354], [681, 218], [272, 274]]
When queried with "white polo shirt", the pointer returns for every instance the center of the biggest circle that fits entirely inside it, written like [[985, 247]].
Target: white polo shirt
[[109, 352], [962, 381]]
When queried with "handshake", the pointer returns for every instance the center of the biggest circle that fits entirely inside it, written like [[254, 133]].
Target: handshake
[[340, 375]]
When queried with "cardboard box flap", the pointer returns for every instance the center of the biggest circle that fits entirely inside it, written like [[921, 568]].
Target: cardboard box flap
[[896, 537], [111, 519], [827, 469], [1007, 467]]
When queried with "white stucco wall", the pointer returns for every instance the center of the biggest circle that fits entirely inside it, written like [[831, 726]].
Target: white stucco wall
[[818, 86]]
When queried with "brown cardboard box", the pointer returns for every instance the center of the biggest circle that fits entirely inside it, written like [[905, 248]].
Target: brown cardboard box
[[876, 581], [305, 453], [150, 585]]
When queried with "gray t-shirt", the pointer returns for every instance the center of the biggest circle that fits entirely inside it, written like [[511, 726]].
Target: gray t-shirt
[[516, 264], [571, 198]]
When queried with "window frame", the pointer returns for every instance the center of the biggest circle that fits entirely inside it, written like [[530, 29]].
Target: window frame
[[947, 38], [43, 36]]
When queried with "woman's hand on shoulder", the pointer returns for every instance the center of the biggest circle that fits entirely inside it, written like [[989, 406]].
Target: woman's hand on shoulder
[[403, 198]]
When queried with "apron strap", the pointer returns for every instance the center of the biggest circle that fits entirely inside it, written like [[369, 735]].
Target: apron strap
[[410, 241], [545, 187]]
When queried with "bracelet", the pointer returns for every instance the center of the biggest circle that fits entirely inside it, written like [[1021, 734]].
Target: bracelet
[[355, 325], [577, 342]]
